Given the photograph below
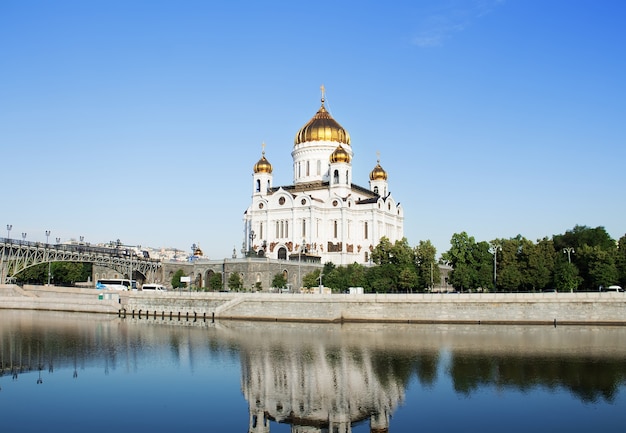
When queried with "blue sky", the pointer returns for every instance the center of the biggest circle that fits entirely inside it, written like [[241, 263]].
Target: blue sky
[[142, 120]]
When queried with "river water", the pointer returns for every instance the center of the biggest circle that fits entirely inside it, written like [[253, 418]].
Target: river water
[[94, 373]]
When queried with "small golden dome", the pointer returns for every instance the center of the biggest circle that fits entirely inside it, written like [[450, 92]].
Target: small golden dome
[[197, 252], [378, 173], [322, 127], [263, 165], [340, 155]]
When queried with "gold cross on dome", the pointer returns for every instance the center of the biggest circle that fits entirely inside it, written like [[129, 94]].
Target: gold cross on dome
[[323, 91]]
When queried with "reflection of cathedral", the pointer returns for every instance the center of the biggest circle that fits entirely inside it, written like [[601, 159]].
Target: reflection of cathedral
[[323, 213], [318, 389]]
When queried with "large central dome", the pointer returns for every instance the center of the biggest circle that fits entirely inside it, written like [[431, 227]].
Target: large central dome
[[322, 127]]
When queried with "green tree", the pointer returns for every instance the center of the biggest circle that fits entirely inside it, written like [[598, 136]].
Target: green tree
[[540, 261], [601, 267], [584, 258], [620, 261], [235, 282], [471, 262], [215, 282], [395, 260], [509, 275], [566, 277], [279, 281], [176, 283], [311, 279], [427, 269]]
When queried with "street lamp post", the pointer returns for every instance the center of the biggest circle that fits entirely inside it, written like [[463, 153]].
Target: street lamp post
[[47, 255], [9, 227], [299, 265], [568, 251], [494, 250], [251, 247], [24, 236]]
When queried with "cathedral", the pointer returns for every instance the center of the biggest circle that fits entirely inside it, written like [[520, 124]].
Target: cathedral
[[324, 216]]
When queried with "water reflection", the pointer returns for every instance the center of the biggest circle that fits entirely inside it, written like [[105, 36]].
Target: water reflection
[[323, 378]]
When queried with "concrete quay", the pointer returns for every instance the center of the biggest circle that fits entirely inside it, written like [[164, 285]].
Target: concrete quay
[[488, 308]]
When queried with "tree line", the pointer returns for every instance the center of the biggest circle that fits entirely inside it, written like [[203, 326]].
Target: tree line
[[581, 259]]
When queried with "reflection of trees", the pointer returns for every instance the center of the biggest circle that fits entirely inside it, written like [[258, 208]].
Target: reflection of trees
[[585, 377]]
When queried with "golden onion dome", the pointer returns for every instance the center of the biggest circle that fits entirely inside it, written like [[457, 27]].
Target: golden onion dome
[[378, 173], [263, 165], [322, 127], [197, 252], [340, 155]]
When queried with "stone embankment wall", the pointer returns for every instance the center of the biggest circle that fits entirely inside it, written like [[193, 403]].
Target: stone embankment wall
[[535, 308]]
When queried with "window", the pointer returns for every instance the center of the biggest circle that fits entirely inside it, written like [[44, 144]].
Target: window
[[303, 228], [336, 177], [365, 232], [258, 185], [335, 228]]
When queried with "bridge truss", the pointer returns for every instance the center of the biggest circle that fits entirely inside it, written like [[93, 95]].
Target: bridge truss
[[15, 256]]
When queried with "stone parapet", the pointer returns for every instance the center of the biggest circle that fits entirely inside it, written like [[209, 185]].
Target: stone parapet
[[521, 308]]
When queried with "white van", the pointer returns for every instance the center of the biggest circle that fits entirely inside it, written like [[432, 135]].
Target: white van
[[153, 287], [614, 289]]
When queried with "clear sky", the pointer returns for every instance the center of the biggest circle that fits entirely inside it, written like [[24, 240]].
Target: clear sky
[[142, 120]]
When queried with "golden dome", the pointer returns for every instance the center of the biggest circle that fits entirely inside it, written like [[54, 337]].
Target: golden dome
[[197, 252], [322, 127], [340, 155], [378, 173], [263, 165]]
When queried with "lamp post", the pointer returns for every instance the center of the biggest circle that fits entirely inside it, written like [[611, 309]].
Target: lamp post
[[320, 288], [48, 257], [9, 227], [299, 265], [568, 251], [24, 236], [252, 236], [494, 250]]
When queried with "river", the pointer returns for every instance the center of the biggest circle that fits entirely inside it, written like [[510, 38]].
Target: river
[[98, 373]]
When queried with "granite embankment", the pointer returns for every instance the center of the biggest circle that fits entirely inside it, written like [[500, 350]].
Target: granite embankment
[[520, 308]]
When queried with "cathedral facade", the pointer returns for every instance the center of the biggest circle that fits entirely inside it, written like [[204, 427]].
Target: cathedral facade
[[323, 216]]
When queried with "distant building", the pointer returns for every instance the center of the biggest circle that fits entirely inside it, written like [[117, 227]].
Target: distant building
[[323, 217]]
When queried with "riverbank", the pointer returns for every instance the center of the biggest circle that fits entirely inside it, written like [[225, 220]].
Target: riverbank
[[488, 308]]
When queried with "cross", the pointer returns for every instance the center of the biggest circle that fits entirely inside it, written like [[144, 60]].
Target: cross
[[323, 89]]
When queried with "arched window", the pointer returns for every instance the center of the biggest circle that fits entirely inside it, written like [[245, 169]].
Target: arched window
[[258, 185], [282, 253], [336, 176]]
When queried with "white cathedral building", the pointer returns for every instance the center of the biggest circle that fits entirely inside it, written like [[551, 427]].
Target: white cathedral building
[[324, 216]]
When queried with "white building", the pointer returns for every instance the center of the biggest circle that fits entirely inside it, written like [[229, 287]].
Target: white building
[[323, 215]]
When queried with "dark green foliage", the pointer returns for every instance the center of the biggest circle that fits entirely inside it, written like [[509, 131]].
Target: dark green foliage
[[279, 281], [61, 273], [581, 259], [215, 282], [176, 283]]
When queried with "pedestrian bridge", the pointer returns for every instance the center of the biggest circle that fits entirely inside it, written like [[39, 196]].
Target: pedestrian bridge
[[16, 255]]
